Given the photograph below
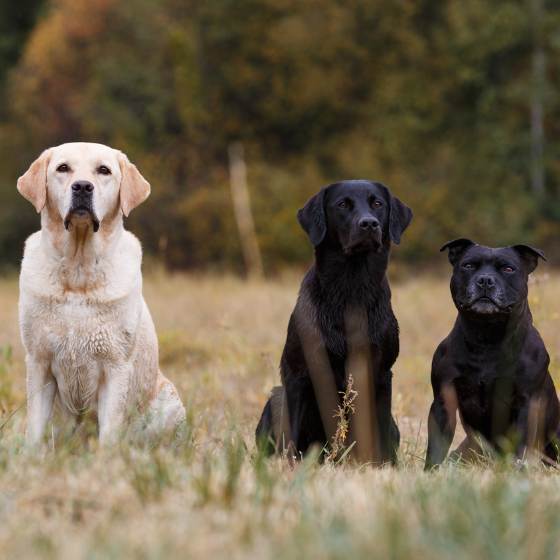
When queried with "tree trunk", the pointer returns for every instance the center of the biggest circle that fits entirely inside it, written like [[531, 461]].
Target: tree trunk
[[242, 209]]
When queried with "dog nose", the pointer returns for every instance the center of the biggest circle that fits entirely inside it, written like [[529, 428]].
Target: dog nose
[[368, 223], [82, 187], [486, 281]]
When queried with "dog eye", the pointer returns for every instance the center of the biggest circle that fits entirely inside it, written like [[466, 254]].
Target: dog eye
[[343, 204], [103, 170], [376, 203], [468, 266], [63, 168], [508, 269]]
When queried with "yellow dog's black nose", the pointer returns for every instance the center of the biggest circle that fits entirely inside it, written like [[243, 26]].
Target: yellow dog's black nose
[[82, 187]]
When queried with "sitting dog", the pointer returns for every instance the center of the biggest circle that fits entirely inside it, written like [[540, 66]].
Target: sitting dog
[[493, 366], [89, 339], [342, 325]]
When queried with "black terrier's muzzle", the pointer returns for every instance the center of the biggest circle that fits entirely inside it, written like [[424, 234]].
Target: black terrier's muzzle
[[485, 297], [82, 204]]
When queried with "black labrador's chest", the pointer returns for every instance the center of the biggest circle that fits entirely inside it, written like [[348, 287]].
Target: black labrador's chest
[[362, 336]]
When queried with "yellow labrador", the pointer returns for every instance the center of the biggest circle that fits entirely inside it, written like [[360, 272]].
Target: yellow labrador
[[88, 335]]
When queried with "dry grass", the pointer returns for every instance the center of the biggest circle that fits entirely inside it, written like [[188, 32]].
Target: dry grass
[[215, 497]]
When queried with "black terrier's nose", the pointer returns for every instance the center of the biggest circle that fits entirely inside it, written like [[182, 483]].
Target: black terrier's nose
[[486, 281], [368, 223], [82, 187]]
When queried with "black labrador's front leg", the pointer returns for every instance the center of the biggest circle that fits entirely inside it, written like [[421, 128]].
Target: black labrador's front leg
[[389, 435], [442, 422]]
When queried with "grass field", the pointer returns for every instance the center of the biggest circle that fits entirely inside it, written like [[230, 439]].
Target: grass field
[[214, 497]]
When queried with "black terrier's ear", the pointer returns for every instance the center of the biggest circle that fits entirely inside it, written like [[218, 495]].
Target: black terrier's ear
[[530, 256], [456, 248], [312, 217], [400, 215]]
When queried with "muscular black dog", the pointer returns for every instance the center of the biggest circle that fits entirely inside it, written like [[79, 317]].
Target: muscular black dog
[[493, 366], [342, 321]]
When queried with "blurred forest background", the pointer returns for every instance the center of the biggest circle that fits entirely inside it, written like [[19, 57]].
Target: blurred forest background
[[452, 103]]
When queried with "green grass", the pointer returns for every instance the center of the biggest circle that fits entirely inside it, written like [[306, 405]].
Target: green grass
[[214, 496]]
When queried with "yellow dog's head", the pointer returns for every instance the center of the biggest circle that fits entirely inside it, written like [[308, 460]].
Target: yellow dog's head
[[81, 184]]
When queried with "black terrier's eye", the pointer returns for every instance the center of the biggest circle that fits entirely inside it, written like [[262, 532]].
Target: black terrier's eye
[[344, 203], [63, 168], [103, 170], [468, 266], [508, 269]]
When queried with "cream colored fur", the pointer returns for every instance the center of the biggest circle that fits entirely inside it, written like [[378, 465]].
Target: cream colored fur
[[88, 335]]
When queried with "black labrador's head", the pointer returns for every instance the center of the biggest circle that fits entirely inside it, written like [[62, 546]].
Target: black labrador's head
[[355, 216], [490, 282]]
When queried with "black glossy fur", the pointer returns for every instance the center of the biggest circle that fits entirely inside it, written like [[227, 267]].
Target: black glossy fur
[[493, 366], [351, 225]]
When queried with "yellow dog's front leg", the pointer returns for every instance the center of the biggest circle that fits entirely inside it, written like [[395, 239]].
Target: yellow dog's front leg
[[112, 402], [41, 389]]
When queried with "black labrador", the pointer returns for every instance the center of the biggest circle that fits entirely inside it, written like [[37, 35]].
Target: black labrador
[[342, 324], [493, 366]]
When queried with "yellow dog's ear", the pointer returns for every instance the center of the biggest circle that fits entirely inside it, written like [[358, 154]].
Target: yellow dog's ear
[[134, 188], [33, 183]]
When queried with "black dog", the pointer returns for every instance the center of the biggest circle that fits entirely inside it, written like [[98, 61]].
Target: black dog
[[342, 323], [493, 366]]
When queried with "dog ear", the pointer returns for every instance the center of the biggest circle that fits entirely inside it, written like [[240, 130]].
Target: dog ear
[[312, 217], [530, 256], [134, 188], [399, 219], [456, 248], [400, 215], [32, 185]]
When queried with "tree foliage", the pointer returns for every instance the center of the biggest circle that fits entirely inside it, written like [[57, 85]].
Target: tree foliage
[[431, 97]]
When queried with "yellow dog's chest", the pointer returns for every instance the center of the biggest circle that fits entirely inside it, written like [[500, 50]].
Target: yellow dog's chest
[[75, 332], [79, 338]]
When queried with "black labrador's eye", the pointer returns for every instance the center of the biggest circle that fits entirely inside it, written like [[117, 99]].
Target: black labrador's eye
[[103, 170], [376, 203], [508, 269], [63, 168], [344, 204]]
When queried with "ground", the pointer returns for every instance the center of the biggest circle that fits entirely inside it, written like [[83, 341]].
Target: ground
[[214, 496]]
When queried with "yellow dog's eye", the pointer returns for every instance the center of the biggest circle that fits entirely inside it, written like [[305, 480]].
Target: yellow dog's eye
[[103, 170], [63, 168]]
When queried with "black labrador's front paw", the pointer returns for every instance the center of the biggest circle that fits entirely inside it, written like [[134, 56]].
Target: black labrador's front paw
[[395, 442]]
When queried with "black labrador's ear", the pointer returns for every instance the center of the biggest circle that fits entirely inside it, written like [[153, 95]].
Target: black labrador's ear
[[400, 215], [456, 248], [399, 220], [530, 256], [312, 217]]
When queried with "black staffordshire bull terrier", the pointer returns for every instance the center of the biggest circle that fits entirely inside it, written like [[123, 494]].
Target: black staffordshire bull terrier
[[342, 324], [493, 366]]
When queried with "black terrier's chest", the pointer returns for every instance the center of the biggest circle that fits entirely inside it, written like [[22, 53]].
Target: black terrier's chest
[[482, 393], [479, 373]]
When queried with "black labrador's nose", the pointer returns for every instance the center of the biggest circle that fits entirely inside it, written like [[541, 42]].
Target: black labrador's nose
[[486, 281], [82, 187], [368, 223]]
